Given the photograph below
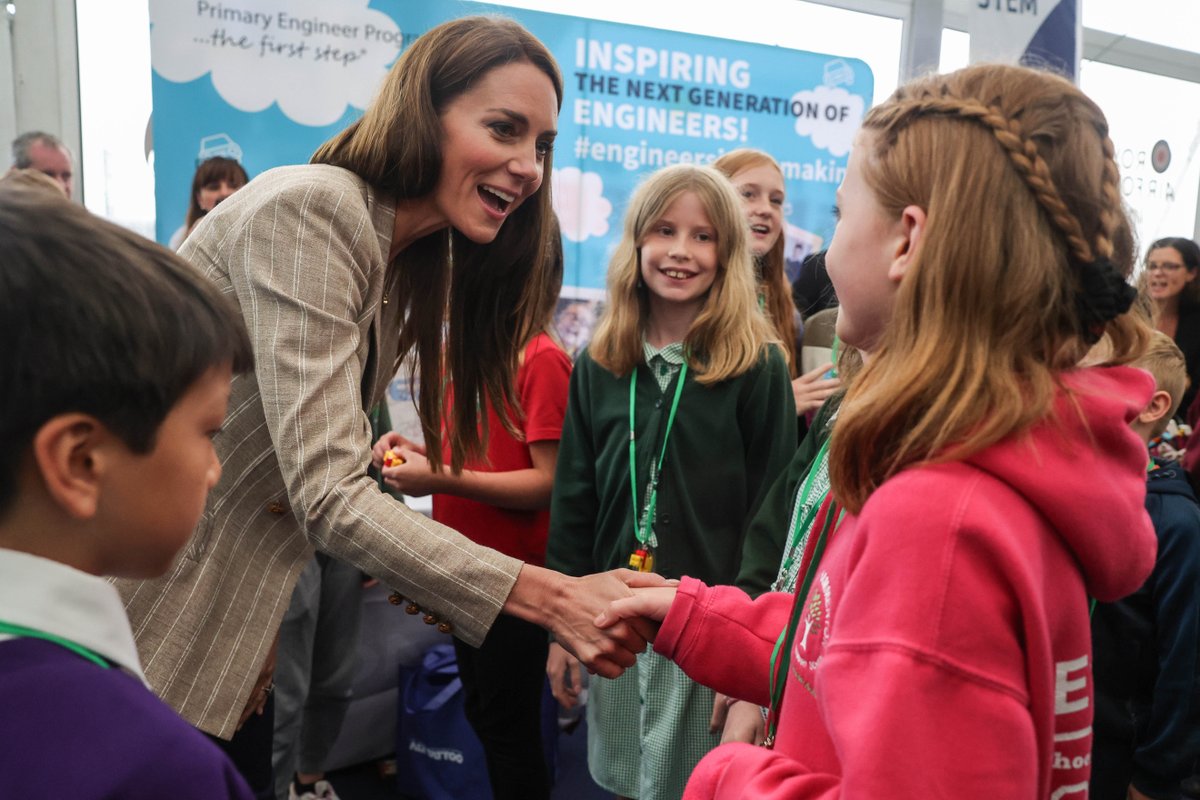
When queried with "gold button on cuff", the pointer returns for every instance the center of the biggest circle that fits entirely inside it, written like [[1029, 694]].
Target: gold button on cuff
[[445, 627], [395, 599], [412, 608], [430, 619]]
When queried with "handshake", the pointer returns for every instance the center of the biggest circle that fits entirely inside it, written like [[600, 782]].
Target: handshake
[[603, 622]]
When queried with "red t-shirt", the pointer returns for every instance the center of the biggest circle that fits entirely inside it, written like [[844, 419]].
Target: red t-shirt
[[542, 390]]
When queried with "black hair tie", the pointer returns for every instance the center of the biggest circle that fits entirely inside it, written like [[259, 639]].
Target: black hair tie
[[1104, 295]]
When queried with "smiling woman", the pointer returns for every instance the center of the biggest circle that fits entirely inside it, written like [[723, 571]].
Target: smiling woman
[[342, 269]]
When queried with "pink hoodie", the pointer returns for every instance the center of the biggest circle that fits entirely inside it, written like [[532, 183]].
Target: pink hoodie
[[945, 649]]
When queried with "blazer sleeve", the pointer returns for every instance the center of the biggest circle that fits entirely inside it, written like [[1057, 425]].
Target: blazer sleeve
[[302, 268]]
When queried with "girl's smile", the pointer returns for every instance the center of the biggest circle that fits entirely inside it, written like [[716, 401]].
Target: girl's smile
[[679, 254], [762, 193]]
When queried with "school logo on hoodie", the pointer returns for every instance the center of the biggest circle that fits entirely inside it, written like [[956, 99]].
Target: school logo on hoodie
[[813, 634]]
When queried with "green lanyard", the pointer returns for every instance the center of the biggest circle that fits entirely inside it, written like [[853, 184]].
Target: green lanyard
[[802, 526], [644, 535], [33, 633], [781, 656]]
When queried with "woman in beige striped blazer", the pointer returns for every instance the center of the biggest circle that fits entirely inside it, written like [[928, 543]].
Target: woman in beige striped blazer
[[342, 268]]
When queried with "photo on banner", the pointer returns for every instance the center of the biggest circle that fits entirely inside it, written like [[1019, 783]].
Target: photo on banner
[[267, 81]]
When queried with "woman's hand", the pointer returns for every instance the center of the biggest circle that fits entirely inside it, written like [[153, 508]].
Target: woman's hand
[[743, 723], [392, 441], [412, 477], [810, 390], [565, 674]]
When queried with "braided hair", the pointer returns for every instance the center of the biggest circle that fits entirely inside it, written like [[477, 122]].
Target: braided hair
[[1021, 266]]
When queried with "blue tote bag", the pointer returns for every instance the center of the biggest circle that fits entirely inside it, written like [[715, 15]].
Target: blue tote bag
[[438, 755]]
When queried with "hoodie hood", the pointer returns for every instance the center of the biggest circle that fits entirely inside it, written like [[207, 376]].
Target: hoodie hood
[[1084, 469]]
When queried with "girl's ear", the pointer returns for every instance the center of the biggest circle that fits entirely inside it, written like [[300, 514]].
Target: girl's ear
[[68, 452], [908, 232]]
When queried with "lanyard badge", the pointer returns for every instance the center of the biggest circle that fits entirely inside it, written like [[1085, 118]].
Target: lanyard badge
[[642, 558]]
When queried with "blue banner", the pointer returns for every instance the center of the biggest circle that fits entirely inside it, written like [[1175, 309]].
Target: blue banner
[[266, 81]]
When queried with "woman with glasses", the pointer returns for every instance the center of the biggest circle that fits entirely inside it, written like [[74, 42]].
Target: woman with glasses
[[1172, 265]]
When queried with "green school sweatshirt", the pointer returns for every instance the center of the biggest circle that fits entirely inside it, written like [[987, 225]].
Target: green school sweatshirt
[[729, 442]]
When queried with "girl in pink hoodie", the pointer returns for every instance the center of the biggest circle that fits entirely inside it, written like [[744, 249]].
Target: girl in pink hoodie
[[938, 643]]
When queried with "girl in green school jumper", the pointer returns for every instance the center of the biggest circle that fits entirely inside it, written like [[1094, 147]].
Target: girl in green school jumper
[[680, 417]]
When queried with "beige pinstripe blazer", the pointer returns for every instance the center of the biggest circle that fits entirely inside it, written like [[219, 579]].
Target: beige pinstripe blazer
[[303, 251]]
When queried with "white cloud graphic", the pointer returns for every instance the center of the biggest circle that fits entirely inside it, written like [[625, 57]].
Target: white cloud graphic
[[310, 56], [830, 115], [579, 201]]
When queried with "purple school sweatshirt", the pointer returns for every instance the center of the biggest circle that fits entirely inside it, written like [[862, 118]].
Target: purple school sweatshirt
[[72, 729]]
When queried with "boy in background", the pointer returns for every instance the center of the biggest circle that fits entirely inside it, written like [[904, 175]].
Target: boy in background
[[1146, 647], [115, 367]]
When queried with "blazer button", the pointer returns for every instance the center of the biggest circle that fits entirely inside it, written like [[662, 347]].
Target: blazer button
[[276, 507], [445, 627], [412, 608], [430, 619], [395, 598]]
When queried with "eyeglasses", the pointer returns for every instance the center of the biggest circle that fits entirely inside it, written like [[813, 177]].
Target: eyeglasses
[[1165, 266]]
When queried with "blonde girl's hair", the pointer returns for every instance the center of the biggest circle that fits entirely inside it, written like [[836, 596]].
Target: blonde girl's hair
[[1022, 265], [773, 281], [470, 322], [730, 334]]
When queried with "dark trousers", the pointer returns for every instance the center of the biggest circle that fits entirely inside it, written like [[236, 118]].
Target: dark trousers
[[503, 681], [1112, 768], [250, 751]]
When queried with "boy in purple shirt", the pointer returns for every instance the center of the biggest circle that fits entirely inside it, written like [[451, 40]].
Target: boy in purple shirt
[[115, 366]]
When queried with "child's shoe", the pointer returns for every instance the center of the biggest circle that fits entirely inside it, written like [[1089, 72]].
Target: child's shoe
[[321, 790]]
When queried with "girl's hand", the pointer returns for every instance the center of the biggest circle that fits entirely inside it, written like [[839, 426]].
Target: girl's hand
[[392, 441], [565, 674], [716, 722], [650, 603], [413, 477], [743, 723], [810, 390]]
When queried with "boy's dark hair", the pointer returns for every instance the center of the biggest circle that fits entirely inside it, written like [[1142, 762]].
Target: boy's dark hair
[[97, 320]]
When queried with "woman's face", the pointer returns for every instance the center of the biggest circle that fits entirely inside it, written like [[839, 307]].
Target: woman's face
[[1166, 274], [215, 191], [496, 137], [761, 189]]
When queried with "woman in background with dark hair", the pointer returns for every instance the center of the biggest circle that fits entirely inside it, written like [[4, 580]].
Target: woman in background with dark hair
[[1169, 280], [342, 270], [216, 179]]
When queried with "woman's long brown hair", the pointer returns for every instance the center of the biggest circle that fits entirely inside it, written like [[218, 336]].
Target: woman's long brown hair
[[467, 308]]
